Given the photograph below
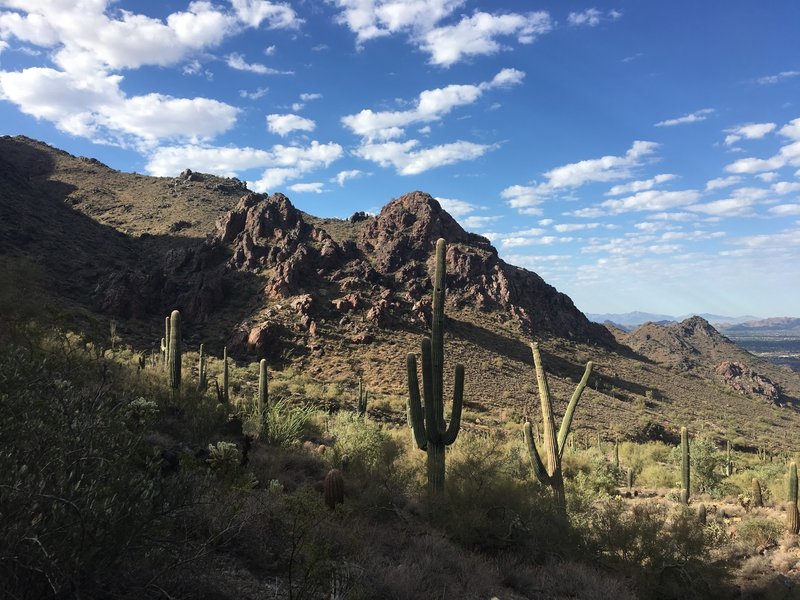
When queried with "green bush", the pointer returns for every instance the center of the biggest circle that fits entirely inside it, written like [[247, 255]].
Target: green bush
[[758, 532]]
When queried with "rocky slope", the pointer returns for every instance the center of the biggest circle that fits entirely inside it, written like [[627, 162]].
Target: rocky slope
[[342, 299]]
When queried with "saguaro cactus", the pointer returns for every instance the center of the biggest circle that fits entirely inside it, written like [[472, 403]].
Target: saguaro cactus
[[685, 466], [728, 461], [551, 475], [791, 504], [362, 398], [174, 352], [701, 514], [263, 396], [202, 380], [431, 433], [166, 343], [758, 499], [225, 396]]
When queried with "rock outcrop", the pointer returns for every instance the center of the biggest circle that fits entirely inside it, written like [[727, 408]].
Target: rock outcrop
[[742, 379]]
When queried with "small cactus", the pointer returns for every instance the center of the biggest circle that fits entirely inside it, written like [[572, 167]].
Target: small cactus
[[362, 398], [791, 504], [263, 397], [728, 461], [701, 514], [758, 499], [202, 379], [685, 487], [616, 454], [630, 479], [174, 352], [333, 488], [225, 396]]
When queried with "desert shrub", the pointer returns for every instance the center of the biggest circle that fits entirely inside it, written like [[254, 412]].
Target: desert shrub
[[488, 507], [759, 532], [706, 464], [287, 423]]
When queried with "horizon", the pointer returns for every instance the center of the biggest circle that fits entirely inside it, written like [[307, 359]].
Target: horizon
[[630, 155]]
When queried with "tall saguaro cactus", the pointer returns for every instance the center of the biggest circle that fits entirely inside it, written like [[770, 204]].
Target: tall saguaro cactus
[[362, 398], [431, 433], [166, 342], [554, 446], [792, 524], [202, 379], [174, 352], [263, 397], [225, 382], [685, 466]]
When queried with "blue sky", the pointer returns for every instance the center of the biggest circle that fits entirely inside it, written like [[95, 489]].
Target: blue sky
[[637, 155]]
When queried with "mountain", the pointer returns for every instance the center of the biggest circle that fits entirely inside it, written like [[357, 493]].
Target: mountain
[[630, 319], [695, 346], [339, 299], [771, 326]]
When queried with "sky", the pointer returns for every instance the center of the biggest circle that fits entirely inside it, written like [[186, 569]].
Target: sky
[[636, 155]]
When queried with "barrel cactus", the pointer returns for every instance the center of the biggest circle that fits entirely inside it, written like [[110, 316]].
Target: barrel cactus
[[333, 488], [174, 352]]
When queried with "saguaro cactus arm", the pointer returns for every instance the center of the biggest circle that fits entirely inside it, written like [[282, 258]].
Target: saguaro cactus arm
[[536, 462], [416, 417], [450, 434], [566, 422]]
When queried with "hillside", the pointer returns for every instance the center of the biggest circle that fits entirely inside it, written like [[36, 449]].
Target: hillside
[[342, 299]]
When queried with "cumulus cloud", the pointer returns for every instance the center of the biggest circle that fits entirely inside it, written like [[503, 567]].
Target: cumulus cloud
[[785, 210], [476, 35], [652, 200], [456, 208], [274, 15], [316, 187], [788, 155], [722, 182], [280, 163], [606, 168], [254, 95], [698, 115], [91, 42], [408, 161], [96, 108], [750, 131], [431, 105], [283, 125], [343, 176], [476, 222], [639, 186], [740, 203], [421, 22]]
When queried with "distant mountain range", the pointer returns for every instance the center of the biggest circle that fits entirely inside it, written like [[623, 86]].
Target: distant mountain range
[[636, 318]]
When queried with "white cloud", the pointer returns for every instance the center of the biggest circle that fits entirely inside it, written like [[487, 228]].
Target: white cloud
[[281, 163], [786, 187], [304, 98], [96, 108], [420, 21], [699, 115], [255, 95], [431, 105], [407, 161], [722, 182], [750, 131], [729, 207], [476, 222], [652, 200], [769, 176], [316, 187], [456, 208], [343, 176], [283, 125], [771, 79], [276, 15], [475, 35], [237, 61], [639, 186], [785, 210], [606, 168], [788, 155], [591, 17], [568, 227]]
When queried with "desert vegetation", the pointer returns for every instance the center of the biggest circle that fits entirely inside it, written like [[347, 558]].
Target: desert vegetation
[[186, 474]]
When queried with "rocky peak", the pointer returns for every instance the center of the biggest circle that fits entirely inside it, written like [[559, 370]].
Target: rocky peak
[[407, 229], [697, 326]]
